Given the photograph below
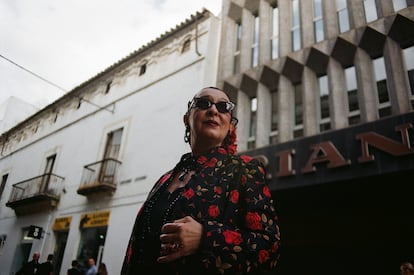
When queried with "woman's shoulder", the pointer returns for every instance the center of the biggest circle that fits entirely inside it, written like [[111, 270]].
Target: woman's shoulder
[[245, 160]]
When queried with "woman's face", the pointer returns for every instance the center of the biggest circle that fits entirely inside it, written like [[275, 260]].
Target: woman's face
[[208, 126]]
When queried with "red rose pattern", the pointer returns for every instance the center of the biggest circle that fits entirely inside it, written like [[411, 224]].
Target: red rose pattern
[[263, 256], [213, 211], [232, 237], [188, 193], [253, 221], [234, 196]]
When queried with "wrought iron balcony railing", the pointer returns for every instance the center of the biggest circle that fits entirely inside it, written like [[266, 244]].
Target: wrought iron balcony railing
[[99, 177], [36, 194]]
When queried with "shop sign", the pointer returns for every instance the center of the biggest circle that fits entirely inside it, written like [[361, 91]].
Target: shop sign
[[62, 223], [370, 149], [95, 219]]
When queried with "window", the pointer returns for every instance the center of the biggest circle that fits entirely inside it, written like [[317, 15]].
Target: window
[[399, 4], [186, 46], [238, 36], [298, 104], [324, 103], [3, 183], [274, 118], [113, 145], [370, 10], [91, 245], [255, 42], [252, 126], [351, 87], [296, 38], [342, 12], [143, 69], [318, 20], [50, 163], [275, 33], [408, 55], [79, 103], [381, 80], [108, 87]]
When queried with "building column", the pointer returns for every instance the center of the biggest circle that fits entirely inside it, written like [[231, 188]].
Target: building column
[[247, 40], [338, 98], [286, 107], [356, 14], [385, 8], [397, 78], [306, 23], [367, 88], [243, 114], [265, 29], [226, 52], [285, 25], [263, 115], [330, 18], [311, 102]]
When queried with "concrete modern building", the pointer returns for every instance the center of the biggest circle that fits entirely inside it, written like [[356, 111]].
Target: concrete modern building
[[74, 174], [325, 97]]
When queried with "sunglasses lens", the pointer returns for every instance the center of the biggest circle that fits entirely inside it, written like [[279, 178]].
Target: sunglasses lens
[[222, 107], [202, 103]]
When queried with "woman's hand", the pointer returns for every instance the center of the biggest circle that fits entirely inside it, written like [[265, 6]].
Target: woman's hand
[[179, 238]]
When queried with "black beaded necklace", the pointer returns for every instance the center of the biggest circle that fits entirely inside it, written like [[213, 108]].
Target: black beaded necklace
[[186, 165]]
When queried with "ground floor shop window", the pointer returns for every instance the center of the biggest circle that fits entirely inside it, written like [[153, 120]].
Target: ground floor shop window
[[91, 246]]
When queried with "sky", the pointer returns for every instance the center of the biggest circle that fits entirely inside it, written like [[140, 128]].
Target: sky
[[68, 42]]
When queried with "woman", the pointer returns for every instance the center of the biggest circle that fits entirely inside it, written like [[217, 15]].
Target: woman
[[211, 214]]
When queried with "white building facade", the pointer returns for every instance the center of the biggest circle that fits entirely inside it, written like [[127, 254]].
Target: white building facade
[[74, 175]]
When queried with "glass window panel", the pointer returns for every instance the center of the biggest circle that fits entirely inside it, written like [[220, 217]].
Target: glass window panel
[[324, 96], [370, 10], [319, 34], [295, 14], [253, 104], [379, 68], [317, 8], [275, 48], [408, 54], [351, 83], [253, 109], [256, 30], [238, 36], [343, 20], [296, 40], [255, 43], [275, 33], [341, 4], [298, 104], [274, 118], [255, 56], [275, 21], [323, 85], [399, 4]]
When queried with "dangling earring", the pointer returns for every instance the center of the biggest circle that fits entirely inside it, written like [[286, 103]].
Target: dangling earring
[[187, 134]]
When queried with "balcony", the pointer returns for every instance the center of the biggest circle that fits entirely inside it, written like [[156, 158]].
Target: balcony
[[99, 177], [35, 195]]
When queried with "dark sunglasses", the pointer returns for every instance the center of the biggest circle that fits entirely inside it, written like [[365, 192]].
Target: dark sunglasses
[[204, 103]]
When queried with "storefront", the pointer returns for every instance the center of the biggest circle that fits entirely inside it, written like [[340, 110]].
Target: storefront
[[345, 198]]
